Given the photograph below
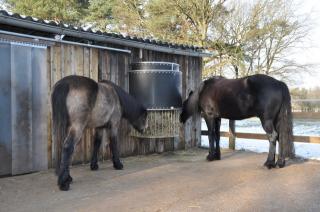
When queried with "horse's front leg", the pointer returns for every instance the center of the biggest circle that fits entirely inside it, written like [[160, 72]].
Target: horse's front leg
[[114, 145], [115, 153]]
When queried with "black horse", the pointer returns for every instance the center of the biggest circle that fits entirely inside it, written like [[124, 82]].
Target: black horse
[[236, 99], [78, 103]]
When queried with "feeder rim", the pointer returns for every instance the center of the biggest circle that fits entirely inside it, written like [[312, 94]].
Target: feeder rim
[[165, 109]]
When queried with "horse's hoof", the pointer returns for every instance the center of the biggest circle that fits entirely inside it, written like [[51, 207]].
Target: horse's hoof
[[217, 156], [118, 165], [64, 186], [69, 179], [94, 166], [270, 164], [281, 163], [210, 157]]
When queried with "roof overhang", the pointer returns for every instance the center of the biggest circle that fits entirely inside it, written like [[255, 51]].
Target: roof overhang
[[39, 26]]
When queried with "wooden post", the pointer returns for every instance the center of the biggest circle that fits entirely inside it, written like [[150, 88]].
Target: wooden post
[[232, 134], [232, 123]]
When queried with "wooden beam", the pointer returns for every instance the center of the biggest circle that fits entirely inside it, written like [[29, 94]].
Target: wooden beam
[[307, 139], [297, 138], [306, 115], [232, 134]]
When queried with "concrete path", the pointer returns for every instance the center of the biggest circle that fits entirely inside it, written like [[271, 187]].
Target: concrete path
[[179, 181]]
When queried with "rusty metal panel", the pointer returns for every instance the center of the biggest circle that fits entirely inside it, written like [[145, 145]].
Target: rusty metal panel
[[39, 109], [21, 76], [5, 109], [23, 108]]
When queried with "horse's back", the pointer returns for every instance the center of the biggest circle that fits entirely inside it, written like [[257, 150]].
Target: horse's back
[[78, 82], [261, 83], [242, 98], [81, 94]]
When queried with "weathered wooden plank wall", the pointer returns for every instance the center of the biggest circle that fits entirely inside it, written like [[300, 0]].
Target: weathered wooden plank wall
[[64, 60]]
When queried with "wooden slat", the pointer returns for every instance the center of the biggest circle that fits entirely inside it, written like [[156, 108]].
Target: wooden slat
[[79, 70], [87, 133], [86, 62], [307, 139], [67, 60], [113, 70], [94, 63], [107, 60], [62, 61], [74, 58], [297, 138], [50, 145], [306, 115], [57, 63]]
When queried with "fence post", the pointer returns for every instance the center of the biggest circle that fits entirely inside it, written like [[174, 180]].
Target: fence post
[[232, 134]]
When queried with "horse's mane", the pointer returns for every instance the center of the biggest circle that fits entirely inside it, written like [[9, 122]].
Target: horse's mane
[[213, 79], [194, 97], [131, 108]]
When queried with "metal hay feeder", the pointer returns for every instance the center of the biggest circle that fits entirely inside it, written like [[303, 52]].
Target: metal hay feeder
[[158, 86]]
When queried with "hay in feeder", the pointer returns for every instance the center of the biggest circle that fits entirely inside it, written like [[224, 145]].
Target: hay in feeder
[[161, 124]]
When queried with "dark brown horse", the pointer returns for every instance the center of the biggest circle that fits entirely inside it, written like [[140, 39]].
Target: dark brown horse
[[236, 99], [79, 103]]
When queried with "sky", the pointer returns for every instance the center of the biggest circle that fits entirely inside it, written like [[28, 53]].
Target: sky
[[310, 53]]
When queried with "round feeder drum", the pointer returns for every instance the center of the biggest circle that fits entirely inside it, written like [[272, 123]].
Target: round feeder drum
[[158, 86]]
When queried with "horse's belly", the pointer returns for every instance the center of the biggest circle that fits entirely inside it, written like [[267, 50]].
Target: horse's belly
[[237, 117], [237, 114]]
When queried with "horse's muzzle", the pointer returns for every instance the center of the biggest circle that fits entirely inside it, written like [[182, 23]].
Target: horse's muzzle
[[181, 118], [141, 130]]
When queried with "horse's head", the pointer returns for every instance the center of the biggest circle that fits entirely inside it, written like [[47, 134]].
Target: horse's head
[[186, 112], [141, 123]]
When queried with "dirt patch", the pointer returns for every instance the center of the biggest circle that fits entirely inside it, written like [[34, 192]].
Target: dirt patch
[[178, 181]]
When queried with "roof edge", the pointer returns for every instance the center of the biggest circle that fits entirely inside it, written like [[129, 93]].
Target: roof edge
[[100, 37]]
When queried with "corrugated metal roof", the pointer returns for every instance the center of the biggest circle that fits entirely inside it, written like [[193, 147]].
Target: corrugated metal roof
[[4, 15]]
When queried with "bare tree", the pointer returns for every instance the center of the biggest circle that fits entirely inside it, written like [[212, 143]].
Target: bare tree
[[201, 14], [258, 38]]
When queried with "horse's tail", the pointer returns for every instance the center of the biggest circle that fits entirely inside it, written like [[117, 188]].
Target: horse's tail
[[60, 119], [285, 124]]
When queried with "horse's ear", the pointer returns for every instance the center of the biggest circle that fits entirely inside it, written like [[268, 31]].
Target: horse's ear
[[191, 92]]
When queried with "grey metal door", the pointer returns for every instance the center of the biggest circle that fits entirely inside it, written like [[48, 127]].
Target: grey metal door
[[23, 108]]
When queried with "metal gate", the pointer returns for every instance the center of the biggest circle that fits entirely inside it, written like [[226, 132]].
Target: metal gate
[[23, 108]]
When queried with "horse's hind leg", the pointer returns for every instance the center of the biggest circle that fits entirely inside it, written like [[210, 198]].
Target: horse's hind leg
[[272, 137], [97, 143], [281, 162], [217, 137], [212, 136], [64, 178]]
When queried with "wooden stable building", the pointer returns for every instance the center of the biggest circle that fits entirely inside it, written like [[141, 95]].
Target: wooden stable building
[[35, 53]]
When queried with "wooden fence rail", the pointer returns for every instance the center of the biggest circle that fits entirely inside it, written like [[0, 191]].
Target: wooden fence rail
[[232, 134], [297, 138]]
